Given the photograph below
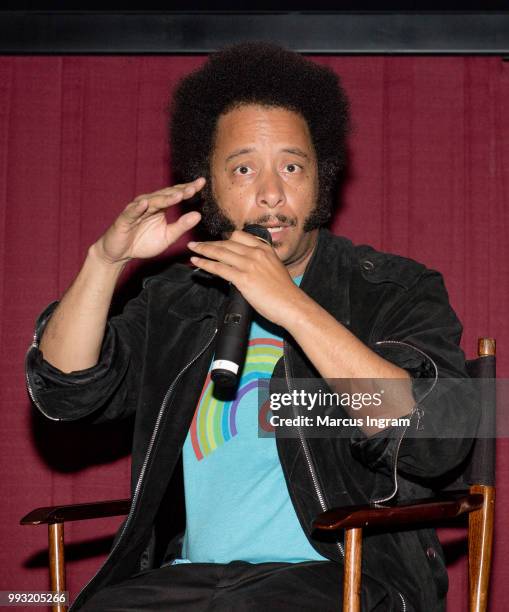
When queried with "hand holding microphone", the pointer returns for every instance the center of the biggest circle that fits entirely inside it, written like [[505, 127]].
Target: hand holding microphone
[[259, 280]]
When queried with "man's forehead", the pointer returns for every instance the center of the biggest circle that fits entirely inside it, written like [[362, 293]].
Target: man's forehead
[[246, 150]]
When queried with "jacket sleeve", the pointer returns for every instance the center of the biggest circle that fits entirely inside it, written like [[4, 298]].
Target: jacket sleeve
[[106, 391], [420, 333]]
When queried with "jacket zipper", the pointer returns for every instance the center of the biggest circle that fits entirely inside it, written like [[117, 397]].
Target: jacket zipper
[[307, 455], [147, 456], [416, 410], [35, 344]]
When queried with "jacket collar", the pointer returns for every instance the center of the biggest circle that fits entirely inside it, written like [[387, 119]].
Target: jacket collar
[[327, 276]]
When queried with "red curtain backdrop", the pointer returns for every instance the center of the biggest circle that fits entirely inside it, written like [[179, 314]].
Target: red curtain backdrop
[[81, 136]]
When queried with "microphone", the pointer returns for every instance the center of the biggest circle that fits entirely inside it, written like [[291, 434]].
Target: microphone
[[233, 334]]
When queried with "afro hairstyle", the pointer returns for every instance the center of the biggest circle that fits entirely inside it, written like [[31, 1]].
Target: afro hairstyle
[[268, 75]]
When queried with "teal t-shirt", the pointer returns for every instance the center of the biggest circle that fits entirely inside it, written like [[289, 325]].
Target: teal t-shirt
[[237, 502]]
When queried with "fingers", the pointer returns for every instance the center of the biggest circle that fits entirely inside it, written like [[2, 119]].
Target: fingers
[[239, 247], [237, 243], [209, 245], [159, 200], [172, 195], [224, 252], [194, 186], [247, 239], [178, 192], [217, 268], [241, 257]]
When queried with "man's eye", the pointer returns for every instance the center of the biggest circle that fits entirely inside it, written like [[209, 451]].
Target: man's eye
[[292, 168], [242, 170]]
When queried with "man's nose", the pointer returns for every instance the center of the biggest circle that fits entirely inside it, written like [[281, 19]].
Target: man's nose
[[271, 191]]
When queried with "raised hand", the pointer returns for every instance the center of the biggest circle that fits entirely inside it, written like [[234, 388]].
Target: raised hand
[[141, 230]]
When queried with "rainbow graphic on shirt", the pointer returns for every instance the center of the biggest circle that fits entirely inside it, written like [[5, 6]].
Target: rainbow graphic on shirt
[[214, 422]]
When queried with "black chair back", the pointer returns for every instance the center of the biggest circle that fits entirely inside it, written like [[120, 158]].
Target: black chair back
[[481, 468]]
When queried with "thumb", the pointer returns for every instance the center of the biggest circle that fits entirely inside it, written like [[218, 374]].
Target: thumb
[[183, 224]]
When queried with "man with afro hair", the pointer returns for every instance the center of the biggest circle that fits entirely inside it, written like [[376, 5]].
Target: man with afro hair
[[258, 133], [265, 75]]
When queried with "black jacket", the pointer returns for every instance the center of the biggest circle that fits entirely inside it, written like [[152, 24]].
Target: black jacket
[[153, 363]]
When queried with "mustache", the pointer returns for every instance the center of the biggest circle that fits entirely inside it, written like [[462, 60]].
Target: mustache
[[272, 219]]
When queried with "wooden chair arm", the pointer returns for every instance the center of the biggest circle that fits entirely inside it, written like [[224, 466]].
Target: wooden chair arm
[[404, 513], [76, 512]]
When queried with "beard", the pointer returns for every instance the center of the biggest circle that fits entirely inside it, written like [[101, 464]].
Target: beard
[[217, 223]]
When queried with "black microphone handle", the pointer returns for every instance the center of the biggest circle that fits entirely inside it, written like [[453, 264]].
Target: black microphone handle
[[231, 344], [233, 334]]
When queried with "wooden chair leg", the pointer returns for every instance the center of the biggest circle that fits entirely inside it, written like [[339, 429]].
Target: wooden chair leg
[[480, 539], [352, 575], [56, 561]]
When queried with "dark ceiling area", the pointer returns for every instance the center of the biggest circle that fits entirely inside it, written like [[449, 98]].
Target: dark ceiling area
[[194, 26], [258, 5]]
